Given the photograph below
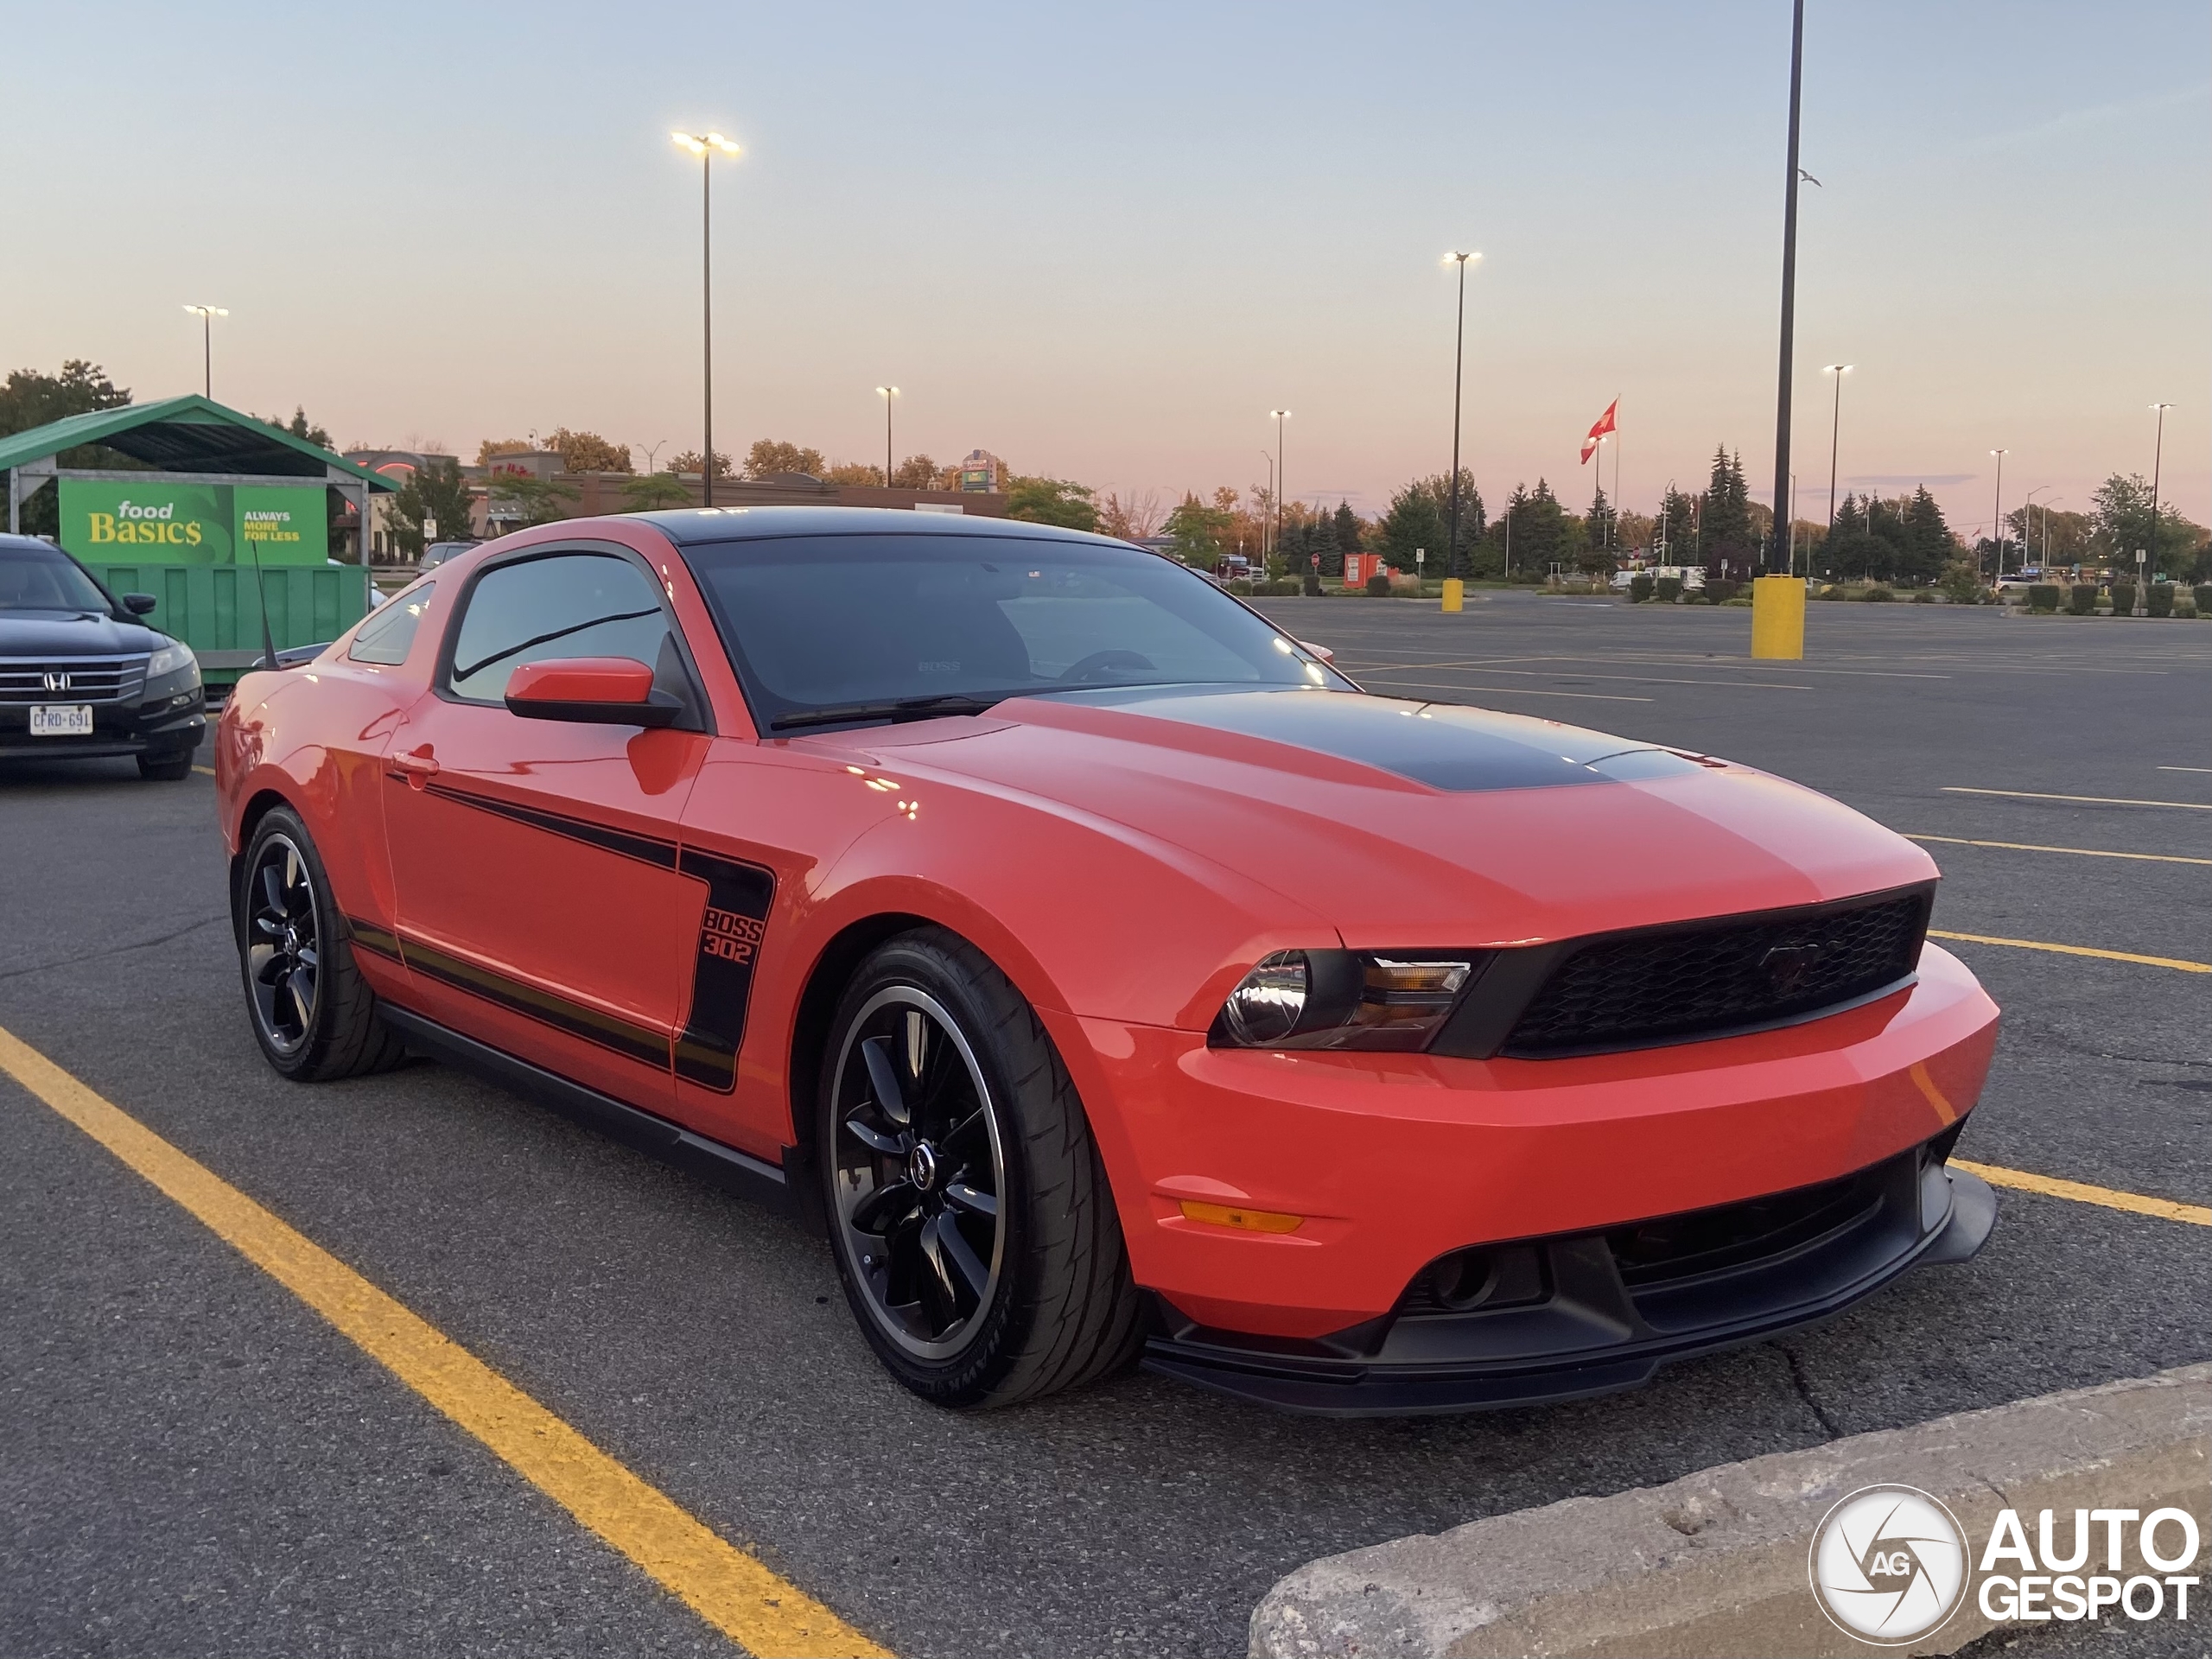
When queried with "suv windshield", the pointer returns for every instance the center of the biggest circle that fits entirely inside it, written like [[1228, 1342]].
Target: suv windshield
[[37, 578], [828, 629]]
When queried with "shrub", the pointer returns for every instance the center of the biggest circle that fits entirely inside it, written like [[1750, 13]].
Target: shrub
[[1961, 582], [1378, 585], [1666, 589], [2082, 598], [1831, 591], [2123, 599], [1640, 588], [2044, 596], [1311, 586], [2160, 602], [1877, 595], [2204, 599], [1719, 590], [1926, 598]]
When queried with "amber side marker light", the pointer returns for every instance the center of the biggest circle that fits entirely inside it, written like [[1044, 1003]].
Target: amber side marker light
[[1245, 1221]]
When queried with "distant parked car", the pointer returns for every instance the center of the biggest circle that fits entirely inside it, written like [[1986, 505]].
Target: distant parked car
[[82, 676], [438, 552]]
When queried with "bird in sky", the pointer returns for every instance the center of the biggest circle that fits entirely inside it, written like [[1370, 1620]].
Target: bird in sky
[[1810, 179]]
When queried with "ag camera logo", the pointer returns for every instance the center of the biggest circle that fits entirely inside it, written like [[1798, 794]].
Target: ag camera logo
[[1888, 1565]]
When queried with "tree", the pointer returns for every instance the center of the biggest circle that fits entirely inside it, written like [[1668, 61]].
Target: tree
[[1413, 524], [492, 448], [1051, 501], [1351, 535], [587, 452], [1197, 531], [1600, 526], [769, 456], [1674, 532], [856, 472], [433, 505], [1132, 517], [543, 500], [31, 399], [1543, 534], [688, 461], [918, 473], [1928, 543], [1634, 531], [1726, 537], [300, 427], [655, 492], [2121, 509]]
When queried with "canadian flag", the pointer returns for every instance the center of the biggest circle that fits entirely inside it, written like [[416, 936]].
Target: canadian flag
[[1604, 425]]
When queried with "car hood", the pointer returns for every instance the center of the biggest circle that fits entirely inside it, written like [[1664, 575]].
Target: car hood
[[1420, 825], [72, 633]]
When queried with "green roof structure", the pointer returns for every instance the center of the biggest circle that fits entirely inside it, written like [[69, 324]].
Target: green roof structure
[[188, 435]]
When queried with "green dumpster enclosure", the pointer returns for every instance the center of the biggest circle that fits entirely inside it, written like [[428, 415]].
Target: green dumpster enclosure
[[223, 510]]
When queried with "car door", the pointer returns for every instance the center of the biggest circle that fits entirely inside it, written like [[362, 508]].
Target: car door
[[535, 861]]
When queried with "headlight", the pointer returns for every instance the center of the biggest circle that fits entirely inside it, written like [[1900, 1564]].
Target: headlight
[[170, 659], [1344, 999]]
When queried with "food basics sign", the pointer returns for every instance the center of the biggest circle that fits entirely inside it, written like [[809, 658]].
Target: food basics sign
[[109, 521]]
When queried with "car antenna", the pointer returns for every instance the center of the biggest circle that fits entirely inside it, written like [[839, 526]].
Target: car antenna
[[261, 587]]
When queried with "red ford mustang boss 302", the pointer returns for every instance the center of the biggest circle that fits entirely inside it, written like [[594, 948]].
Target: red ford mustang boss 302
[[1104, 973]]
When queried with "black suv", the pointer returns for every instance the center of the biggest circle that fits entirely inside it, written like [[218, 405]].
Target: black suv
[[80, 675]]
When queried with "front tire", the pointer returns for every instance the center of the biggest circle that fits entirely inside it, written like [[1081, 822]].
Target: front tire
[[969, 1214], [312, 1013]]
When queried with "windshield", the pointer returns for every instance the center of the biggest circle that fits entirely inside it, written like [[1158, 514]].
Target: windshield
[[829, 628], [40, 579]]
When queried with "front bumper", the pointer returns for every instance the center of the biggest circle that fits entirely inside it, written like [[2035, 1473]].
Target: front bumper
[[1599, 1312], [165, 725]]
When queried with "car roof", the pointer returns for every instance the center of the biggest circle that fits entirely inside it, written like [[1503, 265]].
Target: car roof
[[691, 526]]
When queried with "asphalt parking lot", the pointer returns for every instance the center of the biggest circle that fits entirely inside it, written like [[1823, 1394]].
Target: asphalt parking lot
[[197, 1463]]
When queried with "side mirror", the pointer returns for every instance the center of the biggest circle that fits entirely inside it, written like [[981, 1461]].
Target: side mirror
[[139, 603], [592, 691]]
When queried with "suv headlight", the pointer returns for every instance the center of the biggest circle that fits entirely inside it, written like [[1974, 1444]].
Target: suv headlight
[[1344, 999], [172, 669]]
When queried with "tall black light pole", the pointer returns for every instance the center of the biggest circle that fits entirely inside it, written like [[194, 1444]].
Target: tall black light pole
[[886, 393], [1270, 459], [207, 314], [2158, 459], [1996, 510], [703, 145], [1281, 415], [1458, 358], [1775, 563]]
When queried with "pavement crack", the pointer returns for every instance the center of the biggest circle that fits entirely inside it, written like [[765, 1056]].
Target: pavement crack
[[1805, 1391], [115, 950]]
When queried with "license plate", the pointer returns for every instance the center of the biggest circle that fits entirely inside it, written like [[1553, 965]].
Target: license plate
[[61, 720]]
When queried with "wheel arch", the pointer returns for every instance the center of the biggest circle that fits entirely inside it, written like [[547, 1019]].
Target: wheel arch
[[258, 806]]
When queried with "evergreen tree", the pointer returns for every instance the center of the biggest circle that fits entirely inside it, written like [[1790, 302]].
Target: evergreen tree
[[1412, 523], [1673, 534], [1928, 543], [1601, 525], [1321, 543], [1727, 539], [1348, 530], [1542, 533]]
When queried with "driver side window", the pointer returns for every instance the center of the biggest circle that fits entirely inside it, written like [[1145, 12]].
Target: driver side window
[[564, 605]]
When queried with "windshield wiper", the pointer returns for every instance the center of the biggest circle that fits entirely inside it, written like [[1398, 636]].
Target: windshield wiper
[[898, 708]]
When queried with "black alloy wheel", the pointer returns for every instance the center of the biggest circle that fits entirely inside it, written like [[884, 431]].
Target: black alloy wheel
[[918, 1170], [970, 1217], [283, 954], [312, 1013]]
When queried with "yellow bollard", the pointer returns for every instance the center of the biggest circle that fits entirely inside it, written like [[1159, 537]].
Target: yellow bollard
[[1778, 617], [1455, 592]]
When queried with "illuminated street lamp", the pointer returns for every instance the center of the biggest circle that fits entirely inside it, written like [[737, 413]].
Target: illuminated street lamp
[[207, 314], [1458, 357], [705, 145], [886, 393]]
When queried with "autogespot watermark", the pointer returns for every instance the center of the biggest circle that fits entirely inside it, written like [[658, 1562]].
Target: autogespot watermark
[[1890, 1565]]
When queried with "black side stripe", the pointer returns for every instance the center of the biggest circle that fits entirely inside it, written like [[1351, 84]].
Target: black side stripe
[[369, 937], [649, 849], [623, 1037]]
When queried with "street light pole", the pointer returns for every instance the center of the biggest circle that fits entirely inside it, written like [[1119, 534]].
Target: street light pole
[[886, 393], [1996, 510], [2028, 522], [1835, 434], [1458, 359], [1789, 275], [2158, 459], [1281, 415], [207, 314], [703, 145], [1270, 459]]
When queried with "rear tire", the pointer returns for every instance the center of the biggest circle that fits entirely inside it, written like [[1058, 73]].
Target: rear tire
[[969, 1214], [311, 1011]]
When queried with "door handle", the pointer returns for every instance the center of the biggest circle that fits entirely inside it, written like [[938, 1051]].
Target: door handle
[[415, 769]]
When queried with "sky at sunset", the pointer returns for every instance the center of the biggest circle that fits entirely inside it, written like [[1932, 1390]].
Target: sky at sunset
[[1103, 242]]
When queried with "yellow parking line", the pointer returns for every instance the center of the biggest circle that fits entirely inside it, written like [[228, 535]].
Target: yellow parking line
[[2082, 852], [210, 771], [729, 1589], [2050, 1186], [2186, 966], [2093, 800]]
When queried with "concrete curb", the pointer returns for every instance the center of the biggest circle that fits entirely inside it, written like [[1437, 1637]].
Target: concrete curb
[[1713, 1566]]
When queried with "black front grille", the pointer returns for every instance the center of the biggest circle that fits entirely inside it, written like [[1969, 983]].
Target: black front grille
[[80, 679], [1698, 1242], [1666, 984]]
